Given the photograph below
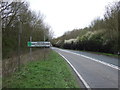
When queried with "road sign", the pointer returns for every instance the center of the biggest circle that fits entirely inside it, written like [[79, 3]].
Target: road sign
[[29, 44], [39, 44]]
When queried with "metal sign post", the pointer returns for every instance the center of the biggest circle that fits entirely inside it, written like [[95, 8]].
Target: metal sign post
[[41, 44], [30, 48], [44, 47]]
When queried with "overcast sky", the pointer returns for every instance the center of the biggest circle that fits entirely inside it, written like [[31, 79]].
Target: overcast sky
[[66, 15]]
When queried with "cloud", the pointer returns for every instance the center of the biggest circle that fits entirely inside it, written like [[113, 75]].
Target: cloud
[[64, 15]]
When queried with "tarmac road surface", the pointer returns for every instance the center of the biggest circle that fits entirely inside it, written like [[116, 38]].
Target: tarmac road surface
[[95, 71]]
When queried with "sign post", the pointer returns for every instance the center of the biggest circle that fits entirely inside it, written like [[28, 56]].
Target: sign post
[[41, 44], [44, 47], [30, 48]]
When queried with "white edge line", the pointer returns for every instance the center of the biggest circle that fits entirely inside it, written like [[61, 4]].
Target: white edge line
[[84, 82], [102, 62]]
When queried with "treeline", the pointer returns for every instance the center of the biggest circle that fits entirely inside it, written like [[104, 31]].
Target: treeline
[[17, 19], [101, 36]]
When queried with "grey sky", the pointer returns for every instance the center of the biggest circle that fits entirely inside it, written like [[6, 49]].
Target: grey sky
[[65, 15]]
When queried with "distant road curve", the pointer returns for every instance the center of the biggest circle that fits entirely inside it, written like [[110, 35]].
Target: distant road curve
[[95, 73]]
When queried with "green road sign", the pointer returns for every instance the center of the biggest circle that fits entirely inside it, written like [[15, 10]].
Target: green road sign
[[38, 44], [29, 44]]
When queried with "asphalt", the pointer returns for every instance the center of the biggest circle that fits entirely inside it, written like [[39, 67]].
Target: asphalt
[[95, 74], [100, 57]]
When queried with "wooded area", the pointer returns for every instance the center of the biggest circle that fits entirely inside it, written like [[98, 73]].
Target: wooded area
[[101, 36], [18, 19]]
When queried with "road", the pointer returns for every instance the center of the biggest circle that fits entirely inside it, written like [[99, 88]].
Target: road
[[95, 71]]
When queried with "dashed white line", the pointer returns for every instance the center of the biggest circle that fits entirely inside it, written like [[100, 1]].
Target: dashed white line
[[84, 82]]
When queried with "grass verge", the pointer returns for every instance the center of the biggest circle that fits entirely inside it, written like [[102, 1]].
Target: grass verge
[[99, 53], [106, 54], [53, 72]]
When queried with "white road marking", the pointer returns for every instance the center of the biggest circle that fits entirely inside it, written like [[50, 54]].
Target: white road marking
[[84, 82], [93, 59]]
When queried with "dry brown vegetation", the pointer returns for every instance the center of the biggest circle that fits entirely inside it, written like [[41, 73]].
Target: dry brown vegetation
[[11, 65]]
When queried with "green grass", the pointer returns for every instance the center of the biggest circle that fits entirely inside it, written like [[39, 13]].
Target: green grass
[[50, 73], [106, 54], [99, 53]]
